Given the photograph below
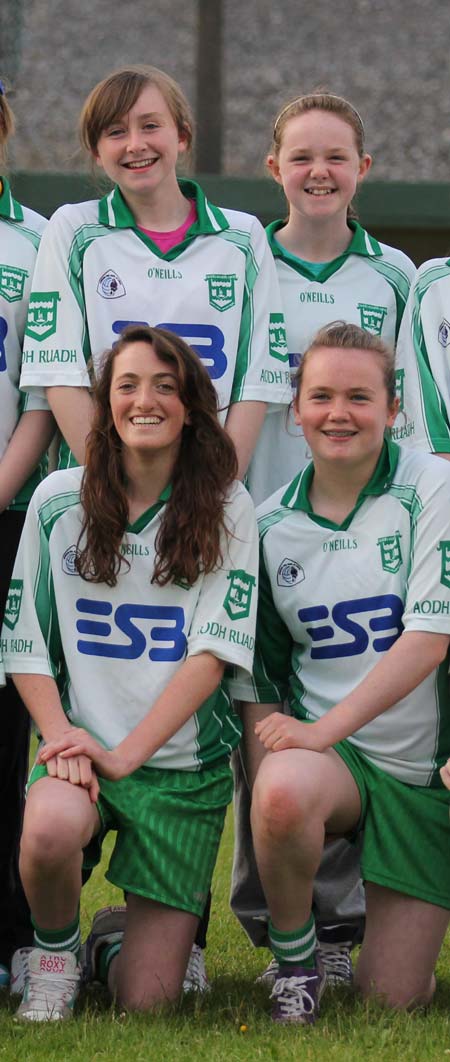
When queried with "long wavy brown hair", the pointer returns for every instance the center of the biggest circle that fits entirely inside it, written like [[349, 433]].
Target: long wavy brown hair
[[188, 540]]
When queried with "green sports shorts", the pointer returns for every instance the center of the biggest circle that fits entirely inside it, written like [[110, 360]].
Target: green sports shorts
[[169, 824], [406, 831]]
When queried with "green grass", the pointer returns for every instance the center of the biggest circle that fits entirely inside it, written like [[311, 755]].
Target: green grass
[[232, 1023]]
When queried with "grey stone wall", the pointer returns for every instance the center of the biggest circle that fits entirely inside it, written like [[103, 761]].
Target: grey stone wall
[[390, 58]]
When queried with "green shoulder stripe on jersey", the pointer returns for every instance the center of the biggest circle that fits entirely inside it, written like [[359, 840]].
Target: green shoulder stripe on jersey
[[361, 243], [242, 240], [44, 595], [82, 239], [272, 662], [114, 212], [409, 498], [398, 281], [45, 604], [434, 410], [51, 510], [270, 520], [9, 207], [29, 234]]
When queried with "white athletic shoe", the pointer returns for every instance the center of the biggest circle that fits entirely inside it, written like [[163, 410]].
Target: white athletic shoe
[[19, 971], [269, 975], [51, 987], [196, 978], [337, 962]]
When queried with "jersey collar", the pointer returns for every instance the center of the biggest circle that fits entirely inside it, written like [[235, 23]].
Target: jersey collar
[[149, 514], [361, 243], [114, 212], [9, 207], [297, 494]]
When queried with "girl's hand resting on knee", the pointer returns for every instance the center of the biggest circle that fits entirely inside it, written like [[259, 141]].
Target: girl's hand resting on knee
[[277, 732], [75, 769], [77, 744]]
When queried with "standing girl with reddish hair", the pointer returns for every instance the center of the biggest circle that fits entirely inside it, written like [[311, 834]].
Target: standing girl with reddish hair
[[153, 251], [328, 267]]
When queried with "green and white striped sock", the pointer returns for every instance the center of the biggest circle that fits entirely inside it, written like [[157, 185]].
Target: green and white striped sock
[[298, 946]]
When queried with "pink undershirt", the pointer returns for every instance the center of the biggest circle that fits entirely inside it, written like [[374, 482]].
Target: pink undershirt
[[166, 240]]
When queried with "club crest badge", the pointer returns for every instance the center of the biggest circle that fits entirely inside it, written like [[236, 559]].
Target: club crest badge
[[221, 290], [14, 601], [277, 337], [12, 282], [444, 333], [42, 314], [391, 554], [239, 594], [372, 317], [290, 573], [110, 286], [444, 547], [69, 560]]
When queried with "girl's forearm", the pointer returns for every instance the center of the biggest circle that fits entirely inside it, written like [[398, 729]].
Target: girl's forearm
[[243, 424], [195, 681], [410, 660], [31, 438], [41, 697], [73, 409]]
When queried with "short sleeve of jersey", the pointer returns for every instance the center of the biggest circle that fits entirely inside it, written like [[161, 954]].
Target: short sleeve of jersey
[[225, 616], [423, 366], [30, 605], [272, 665], [427, 604], [262, 363], [56, 343]]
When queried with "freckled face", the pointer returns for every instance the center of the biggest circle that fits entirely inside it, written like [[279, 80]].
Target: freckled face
[[343, 406], [141, 148], [318, 164]]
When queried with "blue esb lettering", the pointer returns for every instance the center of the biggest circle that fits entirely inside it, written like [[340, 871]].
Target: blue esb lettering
[[390, 611], [206, 340], [162, 624]]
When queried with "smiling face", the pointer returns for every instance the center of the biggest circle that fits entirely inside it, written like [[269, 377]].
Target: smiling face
[[343, 407], [146, 407], [139, 150], [318, 164]]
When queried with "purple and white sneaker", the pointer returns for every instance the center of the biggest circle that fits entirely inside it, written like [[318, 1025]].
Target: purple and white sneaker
[[297, 992]]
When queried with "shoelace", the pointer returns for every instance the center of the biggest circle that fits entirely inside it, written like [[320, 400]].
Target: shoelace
[[336, 959], [270, 972], [292, 995], [51, 994]]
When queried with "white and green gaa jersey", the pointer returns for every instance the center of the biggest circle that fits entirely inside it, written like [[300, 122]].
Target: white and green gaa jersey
[[333, 598], [113, 651], [97, 272], [423, 366], [20, 233], [367, 285]]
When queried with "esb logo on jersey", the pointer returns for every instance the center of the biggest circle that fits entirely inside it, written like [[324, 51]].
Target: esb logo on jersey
[[159, 631], [381, 613], [207, 341]]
